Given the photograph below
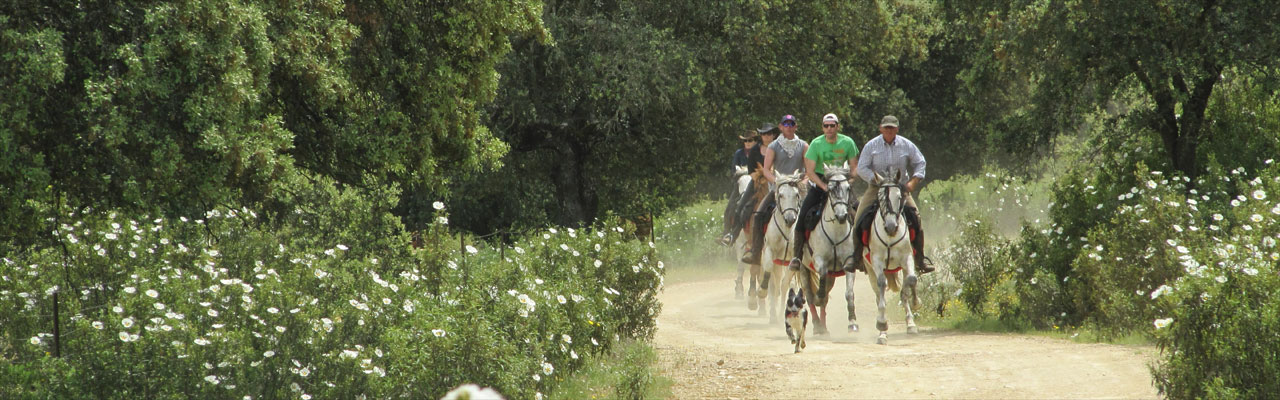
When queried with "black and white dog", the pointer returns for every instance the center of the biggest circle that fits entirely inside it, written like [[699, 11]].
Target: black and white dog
[[797, 318]]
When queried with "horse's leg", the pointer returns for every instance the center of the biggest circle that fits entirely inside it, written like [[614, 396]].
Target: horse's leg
[[752, 300], [882, 322], [737, 288], [848, 298], [906, 306]]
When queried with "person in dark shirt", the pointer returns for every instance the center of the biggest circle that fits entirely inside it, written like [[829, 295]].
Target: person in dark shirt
[[742, 210], [740, 159]]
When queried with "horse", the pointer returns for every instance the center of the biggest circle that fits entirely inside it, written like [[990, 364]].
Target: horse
[[777, 240], [829, 245], [741, 181], [757, 284], [889, 254]]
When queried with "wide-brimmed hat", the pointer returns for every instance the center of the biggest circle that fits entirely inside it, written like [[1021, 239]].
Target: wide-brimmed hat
[[749, 135], [767, 129]]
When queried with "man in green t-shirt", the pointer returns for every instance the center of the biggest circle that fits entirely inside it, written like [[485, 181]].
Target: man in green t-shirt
[[831, 148]]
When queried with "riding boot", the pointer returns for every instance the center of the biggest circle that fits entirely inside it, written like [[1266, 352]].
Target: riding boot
[[917, 245], [797, 251]]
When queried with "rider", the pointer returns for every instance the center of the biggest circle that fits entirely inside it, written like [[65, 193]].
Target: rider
[[740, 159], [830, 148], [786, 156], [741, 210], [884, 154]]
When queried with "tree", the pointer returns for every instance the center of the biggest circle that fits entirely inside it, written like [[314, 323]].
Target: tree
[[1169, 55], [174, 107]]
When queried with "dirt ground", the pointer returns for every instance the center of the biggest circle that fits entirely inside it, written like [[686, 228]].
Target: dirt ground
[[712, 346]]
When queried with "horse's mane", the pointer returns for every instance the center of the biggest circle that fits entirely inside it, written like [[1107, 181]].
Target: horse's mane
[[835, 170], [790, 179], [738, 171]]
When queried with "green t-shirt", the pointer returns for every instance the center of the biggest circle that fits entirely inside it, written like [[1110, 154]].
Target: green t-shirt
[[823, 152]]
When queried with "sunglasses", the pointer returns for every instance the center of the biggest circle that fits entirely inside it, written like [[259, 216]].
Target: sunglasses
[[829, 125], [788, 123]]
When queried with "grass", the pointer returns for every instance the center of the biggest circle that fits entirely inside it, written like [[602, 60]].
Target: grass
[[967, 322], [629, 371]]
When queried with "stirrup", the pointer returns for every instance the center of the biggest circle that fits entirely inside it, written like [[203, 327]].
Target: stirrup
[[725, 240]]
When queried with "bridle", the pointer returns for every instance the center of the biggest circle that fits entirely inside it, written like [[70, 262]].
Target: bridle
[[886, 210], [837, 194], [781, 213]]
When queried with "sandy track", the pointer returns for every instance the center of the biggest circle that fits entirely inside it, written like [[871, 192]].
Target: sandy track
[[713, 347]]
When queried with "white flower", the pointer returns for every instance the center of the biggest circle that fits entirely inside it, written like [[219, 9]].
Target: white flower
[[130, 290], [561, 299], [97, 325], [268, 353], [320, 274], [437, 205], [548, 369], [472, 250], [1182, 250], [35, 340], [1163, 322], [1151, 184], [1221, 279], [212, 312], [202, 341], [330, 253], [342, 247], [124, 336], [519, 250], [438, 332], [472, 391], [1250, 271], [598, 263], [442, 220], [1160, 291], [1259, 194], [1255, 218], [1217, 217], [566, 338], [304, 372], [159, 306], [212, 379], [127, 322], [152, 293]]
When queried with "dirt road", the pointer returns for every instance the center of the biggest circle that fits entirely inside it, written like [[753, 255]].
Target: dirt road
[[713, 347]]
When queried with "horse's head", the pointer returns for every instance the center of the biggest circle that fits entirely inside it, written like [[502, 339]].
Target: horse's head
[[839, 190], [788, 196], [891, 200], [741, 179]]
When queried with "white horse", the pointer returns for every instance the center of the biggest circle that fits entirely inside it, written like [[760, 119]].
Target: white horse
[[830, 244], [777, 240], [742, 180], [890, 253]]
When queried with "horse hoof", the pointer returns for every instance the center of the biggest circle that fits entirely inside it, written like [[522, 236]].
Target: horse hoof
[[913, 329], [882, 326], [882, 340], [752, 303], [853, 328]]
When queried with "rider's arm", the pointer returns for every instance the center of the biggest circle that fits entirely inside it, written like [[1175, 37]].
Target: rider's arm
[[864, 164], [813, 176], [911, 184], [768, 165]]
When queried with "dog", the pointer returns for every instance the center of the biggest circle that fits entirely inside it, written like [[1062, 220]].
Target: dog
[[797, 318]]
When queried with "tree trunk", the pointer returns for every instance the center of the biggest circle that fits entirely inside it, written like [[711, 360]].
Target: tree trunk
[[577, 198]]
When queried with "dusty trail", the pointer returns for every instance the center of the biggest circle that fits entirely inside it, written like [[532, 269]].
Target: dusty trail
[[713, 347]]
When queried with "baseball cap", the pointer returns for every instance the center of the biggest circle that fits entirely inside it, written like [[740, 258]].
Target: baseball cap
[[889, 120], [788, 117], [830, 118]]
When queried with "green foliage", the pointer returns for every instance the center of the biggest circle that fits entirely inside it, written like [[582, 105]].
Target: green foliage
[[686, 236], [328, 300], [629, 371]]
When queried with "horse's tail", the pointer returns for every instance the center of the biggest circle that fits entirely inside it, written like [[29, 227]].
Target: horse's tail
[[893, 281]]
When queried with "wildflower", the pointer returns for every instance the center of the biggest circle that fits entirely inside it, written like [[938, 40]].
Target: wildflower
[[472, 250], [35, 340], [268, 353], [127, 322], [1250, 271], [437, 205], [1217, 217], [537, 378], [152, 293], [212, 379], [1163, 322], [1160, 291], [438, 332], [1221, 279], [1259, 194], [202, 341], [330, 253], [566, 338], [442, 220], [212, 312], [561, 299], [1151, 184], [130, 290], [519, 250], [1255, 218], [304, 372], [1182, 250], [97, 325], [342, 247], [159, 306], [548, 369]]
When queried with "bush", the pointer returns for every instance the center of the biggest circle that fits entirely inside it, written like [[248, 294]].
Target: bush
[[329, 301], [686, 236]]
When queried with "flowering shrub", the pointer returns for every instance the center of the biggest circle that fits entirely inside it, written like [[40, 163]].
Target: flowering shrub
[[686, 236], [329, 303]]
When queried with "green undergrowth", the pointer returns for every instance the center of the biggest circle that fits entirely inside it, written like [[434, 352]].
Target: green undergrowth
[[629, 371]]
